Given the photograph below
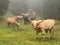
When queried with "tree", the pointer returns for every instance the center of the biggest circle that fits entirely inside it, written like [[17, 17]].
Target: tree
[[49, 9], [18, 6], [4, 4], [58, 8]]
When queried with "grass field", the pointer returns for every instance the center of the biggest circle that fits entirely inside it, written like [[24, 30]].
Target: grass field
[[26, 35]]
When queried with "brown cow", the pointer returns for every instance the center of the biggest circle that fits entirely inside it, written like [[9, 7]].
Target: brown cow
[[43, 26], [19, 17], [12, 21]]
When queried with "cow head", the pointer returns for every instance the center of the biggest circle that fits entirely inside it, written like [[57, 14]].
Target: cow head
[[38, 23], [33, 22]]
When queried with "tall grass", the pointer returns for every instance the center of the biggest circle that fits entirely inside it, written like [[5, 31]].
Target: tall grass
[[26, 35]]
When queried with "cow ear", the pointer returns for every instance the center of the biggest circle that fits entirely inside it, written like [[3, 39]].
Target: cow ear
[[39, 22]]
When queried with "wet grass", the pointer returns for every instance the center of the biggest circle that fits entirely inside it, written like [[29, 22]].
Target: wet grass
[[26, 35]]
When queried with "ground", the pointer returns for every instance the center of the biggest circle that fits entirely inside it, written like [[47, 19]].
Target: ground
[[26, 35]]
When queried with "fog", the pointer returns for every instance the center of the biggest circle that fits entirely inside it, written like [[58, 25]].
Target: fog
[[45, 8]]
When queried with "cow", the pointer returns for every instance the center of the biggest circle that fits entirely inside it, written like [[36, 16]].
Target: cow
[[20, 17], [12, 21], [43, 26]]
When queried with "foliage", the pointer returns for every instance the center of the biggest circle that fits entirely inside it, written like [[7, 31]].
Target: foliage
[[17, 7], [58, 8], [4, 4], [26, 35]]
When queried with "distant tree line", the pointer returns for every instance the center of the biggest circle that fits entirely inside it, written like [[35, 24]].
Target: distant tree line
[[18, 6], [58, 8], [4, 4], [44, 8]]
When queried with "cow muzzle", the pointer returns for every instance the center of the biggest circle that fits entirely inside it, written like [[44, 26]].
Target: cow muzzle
[[34, 27]]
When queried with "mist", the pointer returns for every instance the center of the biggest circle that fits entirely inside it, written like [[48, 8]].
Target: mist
[[44, 8]]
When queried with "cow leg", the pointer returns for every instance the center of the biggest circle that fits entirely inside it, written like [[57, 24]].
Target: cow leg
[[36, 35], [51, 32], [18, 26], [43, 32], [37, 31], [8, 24], [46, 31]]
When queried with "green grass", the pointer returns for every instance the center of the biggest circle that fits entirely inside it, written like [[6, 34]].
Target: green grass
[[26, 36]]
